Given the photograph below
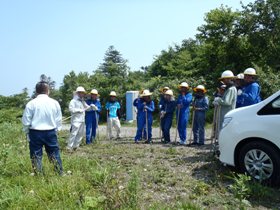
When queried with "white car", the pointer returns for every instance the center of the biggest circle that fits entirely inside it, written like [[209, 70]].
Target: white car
[[250, 140]]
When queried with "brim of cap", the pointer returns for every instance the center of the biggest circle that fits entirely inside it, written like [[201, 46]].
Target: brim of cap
[[251, 74], [146, 94], [196, 89], [180, 86], [226, 78]]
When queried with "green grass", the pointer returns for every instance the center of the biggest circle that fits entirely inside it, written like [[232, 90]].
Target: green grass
[[122, 175]]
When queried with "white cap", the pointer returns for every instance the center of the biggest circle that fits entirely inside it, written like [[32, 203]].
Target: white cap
[[227, 75], [169, 92], [184, 84], [250, 71], [113, 93], [94, 91], [240, 76], [80, 89], [146, 93]]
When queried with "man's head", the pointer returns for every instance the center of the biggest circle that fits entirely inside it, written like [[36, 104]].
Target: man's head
[[168, 95], [42, 88], [184, 87], [94, 94], [227, 77], [80, 91], [250, 75]]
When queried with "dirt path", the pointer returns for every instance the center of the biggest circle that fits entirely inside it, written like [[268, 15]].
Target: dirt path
[[129, 132]]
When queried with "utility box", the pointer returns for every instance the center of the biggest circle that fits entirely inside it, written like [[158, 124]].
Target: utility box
[[130, 111]]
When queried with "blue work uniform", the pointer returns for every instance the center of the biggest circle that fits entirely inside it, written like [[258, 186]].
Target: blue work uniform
[[144, 132], [91, 120], [161, 101], [166, 122], [239, 100], [150, 107], [201, 103], [250, 94], [183, 115]]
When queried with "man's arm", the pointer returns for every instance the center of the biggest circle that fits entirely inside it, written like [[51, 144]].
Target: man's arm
[[27, 118]]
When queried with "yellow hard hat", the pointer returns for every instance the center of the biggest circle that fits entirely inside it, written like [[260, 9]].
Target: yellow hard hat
[[200, 87]]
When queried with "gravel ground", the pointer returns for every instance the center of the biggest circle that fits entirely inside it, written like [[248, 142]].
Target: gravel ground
[[129, 132]]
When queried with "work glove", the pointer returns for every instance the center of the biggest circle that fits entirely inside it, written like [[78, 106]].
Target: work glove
[[162, 114], [239, 92], [179, 106], [95, 108], [216, 101], [145, 107]]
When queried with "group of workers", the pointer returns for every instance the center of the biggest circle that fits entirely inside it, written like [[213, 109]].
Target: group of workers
[[42, 116]]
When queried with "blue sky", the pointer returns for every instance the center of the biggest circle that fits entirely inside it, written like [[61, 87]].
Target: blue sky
[[56, 36]]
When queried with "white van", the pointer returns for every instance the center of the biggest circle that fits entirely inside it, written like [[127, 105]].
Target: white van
[[250, 140]]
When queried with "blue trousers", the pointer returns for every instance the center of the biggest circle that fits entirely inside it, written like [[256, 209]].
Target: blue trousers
[[198, 127], [166, 123], [144, 131], [91, 126], [141, 124], [47, 139], [182, 126]]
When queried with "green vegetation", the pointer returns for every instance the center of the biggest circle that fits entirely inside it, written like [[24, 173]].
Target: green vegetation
[[122, 175]]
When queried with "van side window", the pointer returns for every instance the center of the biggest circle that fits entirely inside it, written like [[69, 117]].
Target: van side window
[[273, 108]]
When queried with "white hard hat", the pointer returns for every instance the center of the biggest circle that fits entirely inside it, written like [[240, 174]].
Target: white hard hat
[[227, 75], [146, 93], [169, 92], [184, 84], [240, 76], [94, 91], [200, 87], [250, 71], [80, 89], [113, 93]]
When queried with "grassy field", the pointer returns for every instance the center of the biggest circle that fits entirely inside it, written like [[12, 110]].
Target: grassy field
[[122, 175]]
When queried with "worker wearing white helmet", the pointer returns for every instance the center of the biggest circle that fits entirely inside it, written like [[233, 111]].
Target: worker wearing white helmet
[[228, 100], [92, 116], [113, 115], [77, 108], [183, 109], [250, 94], [166, 114], [239, 83]]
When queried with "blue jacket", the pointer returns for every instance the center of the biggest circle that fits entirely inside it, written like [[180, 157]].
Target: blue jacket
[[250, 94], [202, 103], [168, 106], [140, 107], [185, 100]]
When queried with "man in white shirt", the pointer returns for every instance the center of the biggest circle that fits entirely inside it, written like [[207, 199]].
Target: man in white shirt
[[77, 108], [41, 120]]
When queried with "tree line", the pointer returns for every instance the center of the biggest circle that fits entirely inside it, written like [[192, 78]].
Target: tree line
[[228, 39]]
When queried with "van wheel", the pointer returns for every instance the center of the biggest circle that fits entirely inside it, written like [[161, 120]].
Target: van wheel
[[261, 161]]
